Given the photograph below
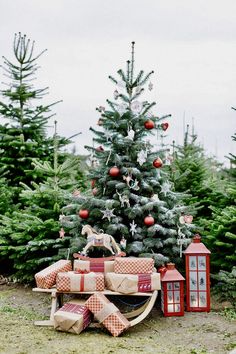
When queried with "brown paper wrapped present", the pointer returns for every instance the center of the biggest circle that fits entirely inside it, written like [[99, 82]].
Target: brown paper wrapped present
[[72, 281], [72, 317], [46, 278], [107, 314], [133, 265], [93, 265], [132, 283]]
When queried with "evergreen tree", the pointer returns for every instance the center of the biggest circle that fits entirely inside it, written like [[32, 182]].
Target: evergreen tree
[[132, 196], [29, 236], [23, 136]]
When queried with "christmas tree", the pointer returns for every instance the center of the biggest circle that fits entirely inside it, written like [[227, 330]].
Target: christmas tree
[[23, 136], [131, 197], [31, 237]]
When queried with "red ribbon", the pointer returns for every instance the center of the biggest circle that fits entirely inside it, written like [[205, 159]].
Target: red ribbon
[[81, 271]]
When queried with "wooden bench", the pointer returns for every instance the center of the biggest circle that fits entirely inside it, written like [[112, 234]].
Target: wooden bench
[[136, 315]]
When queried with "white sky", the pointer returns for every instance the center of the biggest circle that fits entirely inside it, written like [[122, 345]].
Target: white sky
[[191, 46]]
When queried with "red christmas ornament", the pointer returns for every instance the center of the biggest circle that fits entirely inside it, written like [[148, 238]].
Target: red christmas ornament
[[165, 126], [114, 171], [149, 220], [149, 124], [84, 213], [95, 190], [99, 148], [157, 163]]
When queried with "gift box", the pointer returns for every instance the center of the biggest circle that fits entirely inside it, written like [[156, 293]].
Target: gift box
[[72, 317], [107, 313], [72, 281], [46, 278], [93, 265], [132, 283], [133, 265]]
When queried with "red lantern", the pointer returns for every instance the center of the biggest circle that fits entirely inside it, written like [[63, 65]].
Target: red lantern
[[149, 220], [197, 262], [157, 163], [149, 124], [84, 213], [114, 171], [165, 126], [172, 291]]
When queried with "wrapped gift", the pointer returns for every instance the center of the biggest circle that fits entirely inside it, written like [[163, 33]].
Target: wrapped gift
[[93, 265], [133, 265], [132, 283], [46, 278], [72, 281], [107, 314], [72, 317]]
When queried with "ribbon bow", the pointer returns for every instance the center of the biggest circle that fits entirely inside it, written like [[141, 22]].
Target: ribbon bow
[[81, 271]]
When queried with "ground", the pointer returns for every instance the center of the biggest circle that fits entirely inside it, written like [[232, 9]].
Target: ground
[[195, 333]]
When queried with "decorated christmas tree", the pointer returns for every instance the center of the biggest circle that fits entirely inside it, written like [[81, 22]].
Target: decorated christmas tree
[[131, 196]]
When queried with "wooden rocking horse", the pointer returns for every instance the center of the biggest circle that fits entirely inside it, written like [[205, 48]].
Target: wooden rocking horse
[[96, 239]]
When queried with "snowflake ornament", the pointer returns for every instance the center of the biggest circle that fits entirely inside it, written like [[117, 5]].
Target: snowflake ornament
[[165, 188], [136, 107], [142, 157], [133, 227], [108, 213], [121, 108]]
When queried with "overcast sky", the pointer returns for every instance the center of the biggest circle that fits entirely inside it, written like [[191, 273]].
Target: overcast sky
[[191, 46]]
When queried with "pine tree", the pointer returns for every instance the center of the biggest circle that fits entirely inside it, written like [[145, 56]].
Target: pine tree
[[132, 196], [30, 236], [23, 136]]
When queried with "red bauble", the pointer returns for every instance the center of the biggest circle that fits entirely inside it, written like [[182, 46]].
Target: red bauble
[[84, 213], [114, 171], [149, 124], [93, 182], [149, 220], [99, 148], [165, 126], [157, 163]]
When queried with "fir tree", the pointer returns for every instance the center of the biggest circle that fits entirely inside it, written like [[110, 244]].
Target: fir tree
[[23, 136], [132, 196], [30, 236]]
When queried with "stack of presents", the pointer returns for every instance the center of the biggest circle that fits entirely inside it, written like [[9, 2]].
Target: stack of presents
[[128, 275]]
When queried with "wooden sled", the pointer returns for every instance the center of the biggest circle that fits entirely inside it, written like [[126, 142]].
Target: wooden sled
[[135, 316]]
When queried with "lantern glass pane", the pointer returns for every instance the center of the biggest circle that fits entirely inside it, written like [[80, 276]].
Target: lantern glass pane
[[202, 299], [176, 285], [170, 297], [201, 262], [177, 296], [192, 262], [169, 286], [193, 280], [170, 308], [193, 299], [177, 308], [202, 280]]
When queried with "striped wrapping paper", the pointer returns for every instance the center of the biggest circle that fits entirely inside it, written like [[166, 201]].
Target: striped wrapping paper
[[46, 278], [72, 317], [93, 265]]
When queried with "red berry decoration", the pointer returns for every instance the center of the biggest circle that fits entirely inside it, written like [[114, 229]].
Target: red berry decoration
[[149, 220], [149, 124], [114, 171], [84, 213], [157, 163], [165, 126]]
